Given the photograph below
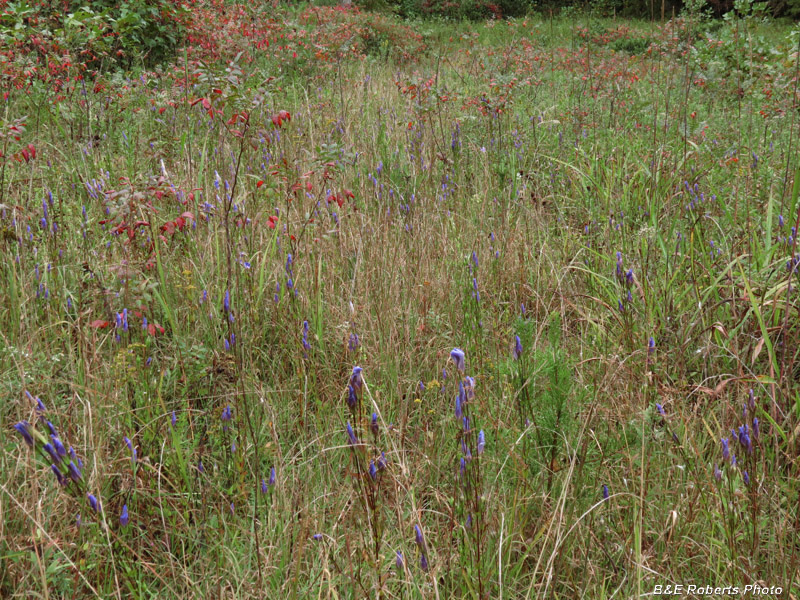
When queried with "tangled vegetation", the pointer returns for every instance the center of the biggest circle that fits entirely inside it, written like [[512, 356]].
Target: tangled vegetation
[[316, 302]]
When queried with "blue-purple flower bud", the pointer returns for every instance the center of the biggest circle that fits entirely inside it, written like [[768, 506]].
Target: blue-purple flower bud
[[52, 452], [59, 476], [458, 357], [351, 436], [24, 429], [374, 424], [517, 348], [60, 449], [356, 379], [353, 343], [469, 387], [744, 438], [419, 538]]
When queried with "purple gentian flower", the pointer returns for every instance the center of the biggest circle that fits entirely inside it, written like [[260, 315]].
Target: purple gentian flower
[[374, 424], [59, 476], [356, 379], [419, 538], [458, 357], [24, 429], [517, 348], [351, 435]]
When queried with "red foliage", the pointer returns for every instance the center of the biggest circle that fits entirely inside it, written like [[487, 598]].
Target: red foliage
[[340, 197]]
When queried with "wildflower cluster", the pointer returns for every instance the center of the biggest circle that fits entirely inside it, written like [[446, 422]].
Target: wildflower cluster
[[469, 482], [747, 435], [369, 461], [626, 280], [65, 464]]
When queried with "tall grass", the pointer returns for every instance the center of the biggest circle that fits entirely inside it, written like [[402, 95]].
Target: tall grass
[[520, 178]]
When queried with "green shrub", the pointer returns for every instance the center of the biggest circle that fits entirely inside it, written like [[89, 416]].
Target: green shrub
[[146, 29], [102, 30], [631, 45], [473, 10]]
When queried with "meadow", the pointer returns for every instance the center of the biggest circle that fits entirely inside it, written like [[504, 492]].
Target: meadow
[[327, 304]]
